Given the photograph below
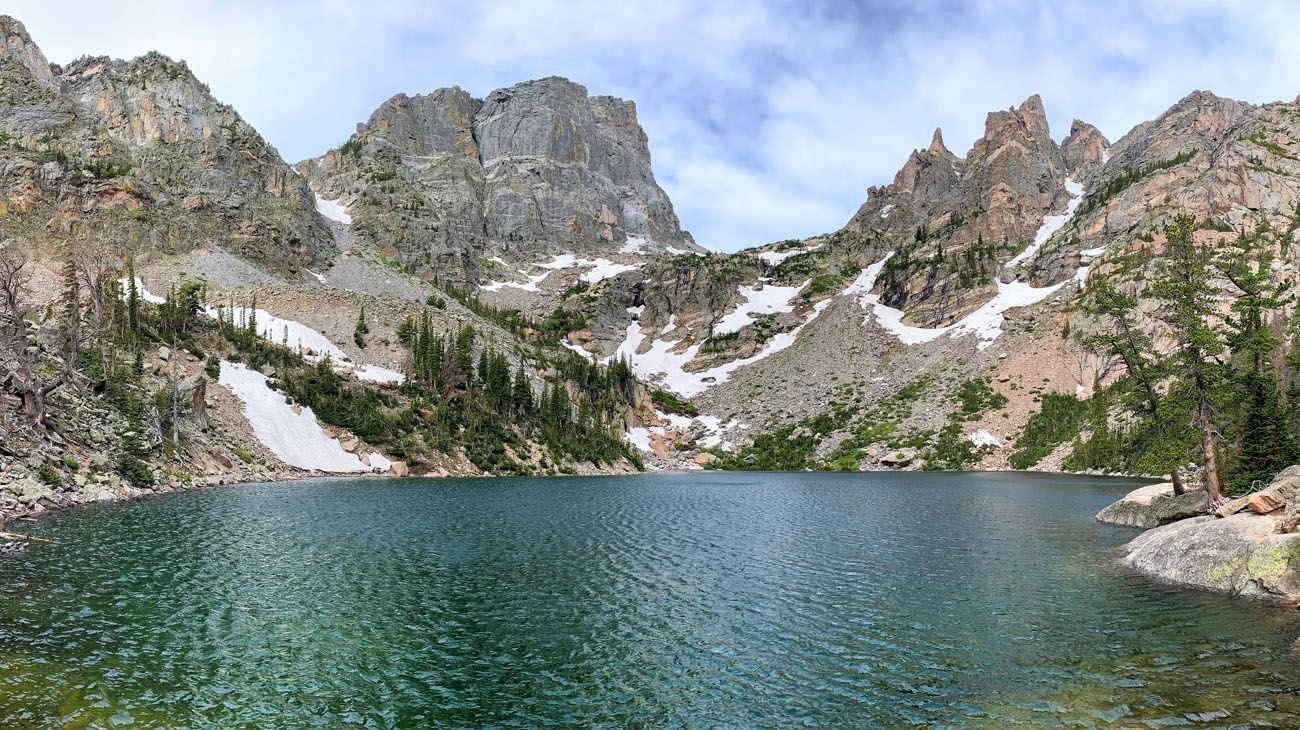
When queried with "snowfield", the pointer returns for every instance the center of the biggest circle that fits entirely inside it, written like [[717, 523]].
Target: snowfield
[[774, 258], [1051, 224], [680, 251], [601, 269], [333, 210], [640, 438], [292, 435], [634, 245], [660, 364], [985, 322], [758, 303]]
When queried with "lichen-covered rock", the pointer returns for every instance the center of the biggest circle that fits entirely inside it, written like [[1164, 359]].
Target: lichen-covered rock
[[1154, 505], [1241, 555]]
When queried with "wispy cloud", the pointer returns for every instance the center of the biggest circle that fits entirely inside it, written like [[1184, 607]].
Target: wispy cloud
[[766, 120]]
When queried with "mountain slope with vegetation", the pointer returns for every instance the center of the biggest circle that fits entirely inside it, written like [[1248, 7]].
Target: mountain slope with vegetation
[[500, 285]]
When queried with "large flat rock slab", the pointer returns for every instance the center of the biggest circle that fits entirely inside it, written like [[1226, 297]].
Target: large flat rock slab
[[1240, 555], [1154, 505]]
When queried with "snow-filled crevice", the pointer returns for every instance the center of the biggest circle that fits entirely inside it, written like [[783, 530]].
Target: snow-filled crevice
[[333, 210], [1051, 224]]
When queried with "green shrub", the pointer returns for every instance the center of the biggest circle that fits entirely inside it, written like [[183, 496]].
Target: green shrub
[[670, 403], [975, 396], [48, 474], [134, 471]]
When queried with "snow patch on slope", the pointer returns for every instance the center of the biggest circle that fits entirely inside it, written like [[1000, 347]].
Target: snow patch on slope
[[758, 302], [311, 344], [1051, 224], [660, 364], [291, 434], [985, 322], [601, 269], [333, 210], [774, 258], [640, 438], [983, 438], [634, 245], [140, 291]]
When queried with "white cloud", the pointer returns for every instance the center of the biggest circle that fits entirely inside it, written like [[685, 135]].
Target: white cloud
[[766, 120]]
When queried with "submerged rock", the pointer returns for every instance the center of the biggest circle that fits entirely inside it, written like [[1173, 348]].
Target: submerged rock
[[1154, 505], [1240, 555]]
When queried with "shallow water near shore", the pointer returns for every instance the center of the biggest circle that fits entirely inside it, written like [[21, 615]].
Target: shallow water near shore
[[697, 600]]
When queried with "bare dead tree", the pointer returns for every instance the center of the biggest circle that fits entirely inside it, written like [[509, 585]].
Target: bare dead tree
[[97, 265], [15, 305]]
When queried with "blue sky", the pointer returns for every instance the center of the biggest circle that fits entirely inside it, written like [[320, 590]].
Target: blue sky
[[767, 120]]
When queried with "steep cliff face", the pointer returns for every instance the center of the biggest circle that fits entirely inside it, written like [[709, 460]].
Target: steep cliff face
[[141, 152], [444, 183]]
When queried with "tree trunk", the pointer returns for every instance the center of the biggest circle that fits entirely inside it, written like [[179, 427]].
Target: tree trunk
[[1177, 479], [1211, 458]]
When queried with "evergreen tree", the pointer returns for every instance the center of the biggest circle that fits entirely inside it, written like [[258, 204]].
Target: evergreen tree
[[1267, 443], [1185, 288], [132, 303], [71, 314], [359, 334]]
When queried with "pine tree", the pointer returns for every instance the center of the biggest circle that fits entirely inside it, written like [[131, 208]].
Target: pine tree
[[1185, 288], [132, 303], [71, 314], [359, 334], [522, 393], [1267, 442]]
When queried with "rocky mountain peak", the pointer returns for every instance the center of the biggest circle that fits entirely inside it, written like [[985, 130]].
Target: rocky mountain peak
[[1084, 150], [531, 171], [438, 122], [15, 43], [937, 146], [1032, 114]]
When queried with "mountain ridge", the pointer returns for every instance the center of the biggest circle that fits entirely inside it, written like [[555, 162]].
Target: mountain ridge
[[533, 214]]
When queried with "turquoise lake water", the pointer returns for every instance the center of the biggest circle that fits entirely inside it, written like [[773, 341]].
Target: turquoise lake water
[[670, 600]]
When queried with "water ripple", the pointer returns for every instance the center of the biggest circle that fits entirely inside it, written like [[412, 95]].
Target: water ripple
[[660, 601]]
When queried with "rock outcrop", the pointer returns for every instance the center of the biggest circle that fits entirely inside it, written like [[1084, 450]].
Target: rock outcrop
[[1154, 505], [1247, 548], [443, 180], [140, 153], [1242, 555]]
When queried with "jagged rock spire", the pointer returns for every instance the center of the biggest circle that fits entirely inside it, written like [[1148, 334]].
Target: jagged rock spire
[[1084, 150]]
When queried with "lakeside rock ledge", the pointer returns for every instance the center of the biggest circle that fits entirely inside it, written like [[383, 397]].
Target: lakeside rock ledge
[[1246, 548], [1154, 505]]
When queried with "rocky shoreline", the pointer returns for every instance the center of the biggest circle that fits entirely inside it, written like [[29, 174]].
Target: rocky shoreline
[[1247, 547], [23, 495]]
